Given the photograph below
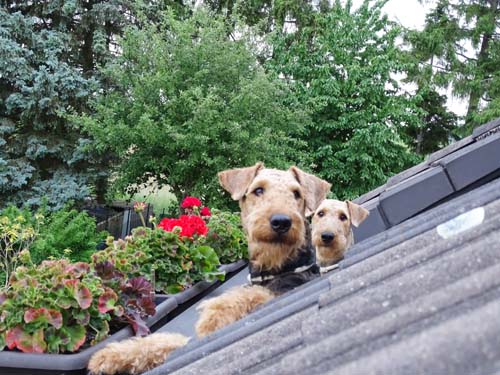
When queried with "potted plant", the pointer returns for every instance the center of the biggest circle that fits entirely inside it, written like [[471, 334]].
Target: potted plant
[[172, 255], [66, 309], [224, 233]]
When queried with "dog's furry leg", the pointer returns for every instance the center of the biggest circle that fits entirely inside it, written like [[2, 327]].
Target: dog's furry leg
[[229, 307], [136, 355]]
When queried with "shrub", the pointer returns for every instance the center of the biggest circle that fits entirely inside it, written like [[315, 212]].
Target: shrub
[[174, 263], [60, 306], [226, 236], [67, 229]]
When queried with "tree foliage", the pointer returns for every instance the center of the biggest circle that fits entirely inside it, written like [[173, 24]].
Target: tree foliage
[[460, 45], [188, 102], [438, 124], [41, 153], [186, 93], [341, 68]]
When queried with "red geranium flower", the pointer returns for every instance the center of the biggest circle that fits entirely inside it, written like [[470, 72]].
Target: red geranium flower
[[190, 202], [190, 225], [205, 211], [168, 224]]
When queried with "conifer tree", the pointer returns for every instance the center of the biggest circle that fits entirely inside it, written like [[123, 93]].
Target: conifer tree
[[49, 55], [460, 44]]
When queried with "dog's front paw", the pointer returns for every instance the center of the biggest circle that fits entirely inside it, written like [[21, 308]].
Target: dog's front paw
[[136, 355], [229, 307]]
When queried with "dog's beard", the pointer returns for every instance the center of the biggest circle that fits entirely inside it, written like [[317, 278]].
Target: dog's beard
[[332, 252], [268, 249]]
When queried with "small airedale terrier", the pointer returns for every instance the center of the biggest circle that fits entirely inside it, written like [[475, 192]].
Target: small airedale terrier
[[332, 230], [274, 205]]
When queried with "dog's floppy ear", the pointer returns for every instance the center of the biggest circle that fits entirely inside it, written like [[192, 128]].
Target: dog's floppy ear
[[358, 214], [236, 181], [315, 189]]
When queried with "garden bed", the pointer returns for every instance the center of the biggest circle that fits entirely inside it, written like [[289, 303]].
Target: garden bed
[[80, 303], [168, 306]]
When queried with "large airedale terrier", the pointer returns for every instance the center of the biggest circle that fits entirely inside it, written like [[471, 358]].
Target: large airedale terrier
[[332, 230], [274, 205]]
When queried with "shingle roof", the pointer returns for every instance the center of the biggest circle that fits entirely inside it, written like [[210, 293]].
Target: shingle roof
[[420, 295]]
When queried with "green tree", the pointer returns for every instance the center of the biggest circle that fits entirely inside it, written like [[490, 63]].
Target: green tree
[[439, 125], [41, 153], [436, 129], [341, 69], [188, 102], [264, 15], [460, 43], [49, 54]]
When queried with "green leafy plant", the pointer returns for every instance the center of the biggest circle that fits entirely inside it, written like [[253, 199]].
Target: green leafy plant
[[60, 306], [67, 233], [18, 230], [226, 236], [172, 262]]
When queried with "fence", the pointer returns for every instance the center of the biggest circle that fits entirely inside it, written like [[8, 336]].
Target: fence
[[121, 224]]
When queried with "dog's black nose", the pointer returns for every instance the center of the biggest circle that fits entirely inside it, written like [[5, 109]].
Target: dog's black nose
[[327, 237], [281, 223]]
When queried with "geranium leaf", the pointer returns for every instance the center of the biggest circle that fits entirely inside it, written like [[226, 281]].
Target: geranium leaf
[[12, 335], [102, 333], [84, 297], [44, 315], [107, 301], [107, 271], [71, 284], [138, 325], [172, 289], [147, 304], [78, 269], [25, 342], [55, 318], [138, 286], [82, 317], [119, 310], [73, 337], [53, 340], [80, 293], [64, 302], [35, 314]]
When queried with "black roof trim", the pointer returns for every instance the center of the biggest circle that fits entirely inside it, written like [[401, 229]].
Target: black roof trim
[[476, 161], [443, 175], [421, 223], [482, 130]]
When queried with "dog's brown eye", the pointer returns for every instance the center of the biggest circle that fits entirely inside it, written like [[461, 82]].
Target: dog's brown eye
[[321, 214], [259, 191], [297, 195], [342, 217]]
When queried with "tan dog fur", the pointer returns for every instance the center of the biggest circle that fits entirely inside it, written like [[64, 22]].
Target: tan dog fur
[[336, 218], [230, 307], [261, 192]]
